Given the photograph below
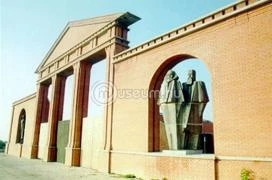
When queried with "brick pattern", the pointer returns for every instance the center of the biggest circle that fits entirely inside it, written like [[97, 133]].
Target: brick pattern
[[236, 51], [241, 83], [158, 167]]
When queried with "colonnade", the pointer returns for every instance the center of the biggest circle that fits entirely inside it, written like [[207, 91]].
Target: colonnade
[[81, 71]]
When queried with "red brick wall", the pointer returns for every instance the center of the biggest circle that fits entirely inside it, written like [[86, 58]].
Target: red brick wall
[[258, 170], [238, 54], [158, 167]]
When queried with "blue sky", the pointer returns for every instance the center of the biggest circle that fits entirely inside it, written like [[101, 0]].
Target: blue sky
[[29, 28]]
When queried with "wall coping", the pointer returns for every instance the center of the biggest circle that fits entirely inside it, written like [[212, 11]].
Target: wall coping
[[195, 25], [244, 158], [198, 156], [161, 154], [24, 99]]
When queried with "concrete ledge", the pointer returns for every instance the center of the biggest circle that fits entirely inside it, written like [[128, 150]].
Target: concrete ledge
[[244, 158], [197, 156], [161, 154], [183, 152]]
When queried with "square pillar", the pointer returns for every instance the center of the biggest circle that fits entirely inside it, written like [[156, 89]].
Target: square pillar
[[110, 52], [80, 110], [108, 113], [42, 92], [55, 115]]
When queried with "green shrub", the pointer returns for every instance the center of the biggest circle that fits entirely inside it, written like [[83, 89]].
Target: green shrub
[[246, 174]]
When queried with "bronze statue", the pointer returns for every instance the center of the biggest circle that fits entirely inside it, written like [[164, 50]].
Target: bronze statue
[[182, 109], [22, 128]]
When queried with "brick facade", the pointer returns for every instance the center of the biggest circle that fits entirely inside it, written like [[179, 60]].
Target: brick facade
[[234, 43]]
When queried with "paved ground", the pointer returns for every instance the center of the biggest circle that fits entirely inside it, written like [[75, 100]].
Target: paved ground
[[19, 168]]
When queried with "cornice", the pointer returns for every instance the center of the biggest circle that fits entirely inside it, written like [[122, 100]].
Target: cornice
[[57, 69], [88, 39]]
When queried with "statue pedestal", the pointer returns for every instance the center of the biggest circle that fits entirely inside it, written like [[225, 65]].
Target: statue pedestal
[[183, 152]]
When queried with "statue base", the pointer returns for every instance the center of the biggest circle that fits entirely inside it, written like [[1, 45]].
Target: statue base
[[183, 152]]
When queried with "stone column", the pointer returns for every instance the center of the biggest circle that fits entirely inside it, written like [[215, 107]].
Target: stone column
[[41, 98], [80, 110], [55, 115]]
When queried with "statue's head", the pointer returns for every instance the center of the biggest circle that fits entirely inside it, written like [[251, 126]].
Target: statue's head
[[171, 75], [23, 117], [191, 76]]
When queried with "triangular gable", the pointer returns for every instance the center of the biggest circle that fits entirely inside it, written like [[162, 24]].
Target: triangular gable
[[76, 31]]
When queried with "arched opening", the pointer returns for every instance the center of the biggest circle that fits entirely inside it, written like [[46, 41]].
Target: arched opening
[[159, 137], [21, 127]]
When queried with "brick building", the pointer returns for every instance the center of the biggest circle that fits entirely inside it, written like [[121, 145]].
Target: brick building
[[235, 43]]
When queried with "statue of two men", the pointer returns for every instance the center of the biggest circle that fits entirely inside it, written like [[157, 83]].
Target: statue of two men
[[182, 106]]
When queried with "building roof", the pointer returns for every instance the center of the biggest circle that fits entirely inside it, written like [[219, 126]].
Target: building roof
[[76, 31]]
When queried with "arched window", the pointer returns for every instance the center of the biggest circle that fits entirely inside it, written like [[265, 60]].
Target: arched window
[[161, 134], [21, 127]]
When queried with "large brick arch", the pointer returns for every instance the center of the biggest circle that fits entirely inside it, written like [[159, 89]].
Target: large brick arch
[[153, 108]]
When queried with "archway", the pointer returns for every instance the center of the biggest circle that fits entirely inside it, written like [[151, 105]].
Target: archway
[[21, 127], [157, 137]]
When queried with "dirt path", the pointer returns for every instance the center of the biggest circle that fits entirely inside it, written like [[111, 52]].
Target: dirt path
[[19, 168]]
